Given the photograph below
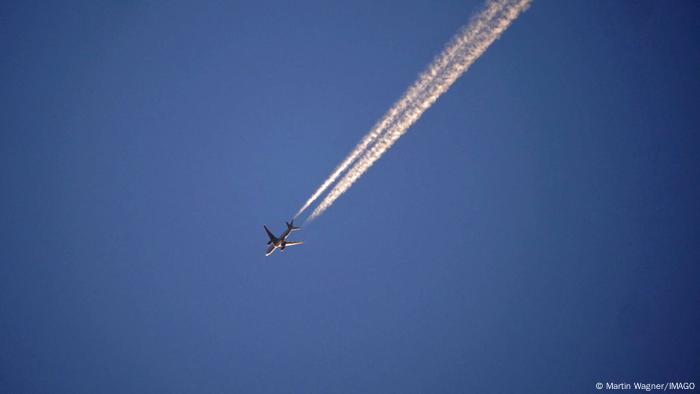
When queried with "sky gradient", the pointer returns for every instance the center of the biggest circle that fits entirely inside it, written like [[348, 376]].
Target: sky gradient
[[537, 230]]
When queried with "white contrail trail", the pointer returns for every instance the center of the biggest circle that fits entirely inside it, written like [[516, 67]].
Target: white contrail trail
[[483, 30], [435, 69]]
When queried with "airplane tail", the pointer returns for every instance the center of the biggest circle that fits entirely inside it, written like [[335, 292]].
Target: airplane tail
[[291, 226]]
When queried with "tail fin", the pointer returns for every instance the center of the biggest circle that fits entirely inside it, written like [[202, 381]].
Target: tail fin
[[291, 226]]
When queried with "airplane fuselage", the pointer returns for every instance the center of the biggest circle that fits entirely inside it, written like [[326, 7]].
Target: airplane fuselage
[[281, 244]]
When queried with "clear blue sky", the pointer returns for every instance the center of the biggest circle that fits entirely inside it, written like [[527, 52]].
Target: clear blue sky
[[538, 230]]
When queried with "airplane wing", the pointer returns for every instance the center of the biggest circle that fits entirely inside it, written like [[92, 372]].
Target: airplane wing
[[269, 234], [293, 243], [269, 250]]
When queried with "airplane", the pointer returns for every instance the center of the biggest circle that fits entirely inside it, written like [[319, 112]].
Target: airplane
[[281, 242]]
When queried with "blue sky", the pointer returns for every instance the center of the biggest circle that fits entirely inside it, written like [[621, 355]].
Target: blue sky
[[536, 230]]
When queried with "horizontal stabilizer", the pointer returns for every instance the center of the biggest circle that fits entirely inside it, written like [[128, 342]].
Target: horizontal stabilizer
[[291, 226]]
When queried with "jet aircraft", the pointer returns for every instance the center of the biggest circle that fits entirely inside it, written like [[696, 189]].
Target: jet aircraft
[[280, 243]]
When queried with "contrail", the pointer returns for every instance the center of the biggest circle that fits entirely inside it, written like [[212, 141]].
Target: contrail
[[484, 29], [436, 68]]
